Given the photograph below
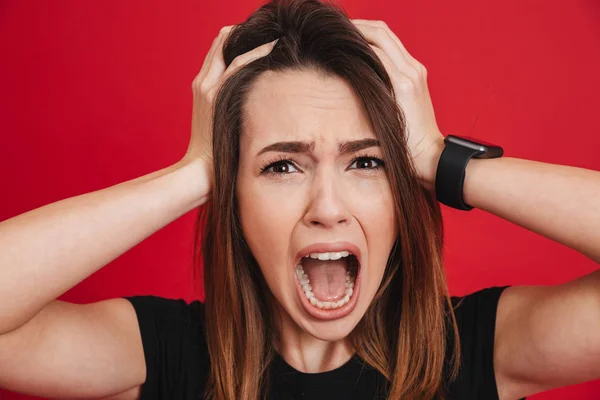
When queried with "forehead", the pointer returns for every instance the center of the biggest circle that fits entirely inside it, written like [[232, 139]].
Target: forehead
[[303, 106]]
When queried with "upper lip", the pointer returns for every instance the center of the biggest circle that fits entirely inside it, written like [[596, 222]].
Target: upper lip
[[328, 248]]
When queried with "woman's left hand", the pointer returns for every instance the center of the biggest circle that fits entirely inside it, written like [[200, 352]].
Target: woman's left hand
[[409, 78]]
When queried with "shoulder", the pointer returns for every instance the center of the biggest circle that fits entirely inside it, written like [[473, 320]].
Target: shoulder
[[169, 320], [172, 334], [168, 309], [477, 307], [476, 319]]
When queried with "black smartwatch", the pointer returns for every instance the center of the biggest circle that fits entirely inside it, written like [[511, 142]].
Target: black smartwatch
[[450, 175]]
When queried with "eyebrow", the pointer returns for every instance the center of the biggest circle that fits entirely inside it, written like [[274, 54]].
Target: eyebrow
[[351, 146], [357, 145]]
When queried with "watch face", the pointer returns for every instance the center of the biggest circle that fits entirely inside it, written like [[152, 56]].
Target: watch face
[[486, 149]]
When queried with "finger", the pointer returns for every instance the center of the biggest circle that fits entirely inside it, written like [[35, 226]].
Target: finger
[[390, 32], [379, 34], [400, 80], [217, 43], [248, 57], [385, 60], [216, 67]]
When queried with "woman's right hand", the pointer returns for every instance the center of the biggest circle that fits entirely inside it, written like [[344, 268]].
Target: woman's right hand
[[204, 88]]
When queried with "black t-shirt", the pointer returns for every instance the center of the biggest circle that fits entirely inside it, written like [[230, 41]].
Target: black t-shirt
[[177, 356]]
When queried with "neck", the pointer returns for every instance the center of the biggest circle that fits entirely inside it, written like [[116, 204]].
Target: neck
[[308, 354]]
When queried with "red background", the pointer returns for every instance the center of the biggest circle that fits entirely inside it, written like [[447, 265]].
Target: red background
[[96, 93]]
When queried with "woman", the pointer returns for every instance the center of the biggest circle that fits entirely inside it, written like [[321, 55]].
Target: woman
[[323, 244]]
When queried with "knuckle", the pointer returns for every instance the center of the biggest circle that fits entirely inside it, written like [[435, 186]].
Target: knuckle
[[406, 85], [237, 62], [379, 54], [204, 87], [196, 84], [380, 33], [381, 24], [415, 78], [210, 94]]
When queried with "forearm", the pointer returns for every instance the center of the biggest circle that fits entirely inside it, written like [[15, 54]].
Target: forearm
[[47, 251], [556, 201]]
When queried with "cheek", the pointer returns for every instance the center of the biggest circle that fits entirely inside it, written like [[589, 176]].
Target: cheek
[[268, 217], [372, 205], [374, 209]]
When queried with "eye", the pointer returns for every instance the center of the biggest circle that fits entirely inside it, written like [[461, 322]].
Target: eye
[[280, 167], [366, 163]]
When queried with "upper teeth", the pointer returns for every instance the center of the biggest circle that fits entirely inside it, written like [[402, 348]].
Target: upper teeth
[[329, 256]]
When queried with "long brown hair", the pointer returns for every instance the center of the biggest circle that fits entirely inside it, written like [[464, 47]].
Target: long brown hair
[[409, 332]]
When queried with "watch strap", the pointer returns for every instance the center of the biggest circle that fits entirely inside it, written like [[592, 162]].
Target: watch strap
[[450, 175]]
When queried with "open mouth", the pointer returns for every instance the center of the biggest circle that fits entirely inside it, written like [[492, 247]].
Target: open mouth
[[327, 283]]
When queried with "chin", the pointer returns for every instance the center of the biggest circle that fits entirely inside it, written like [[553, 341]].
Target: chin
[[328, 330], [331, 331]]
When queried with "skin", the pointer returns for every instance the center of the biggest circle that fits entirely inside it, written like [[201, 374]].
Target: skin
[[322, 197], [546, 336]]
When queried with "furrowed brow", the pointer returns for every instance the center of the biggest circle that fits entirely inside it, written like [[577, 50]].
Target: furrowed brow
[[357, 145], [289, 147]]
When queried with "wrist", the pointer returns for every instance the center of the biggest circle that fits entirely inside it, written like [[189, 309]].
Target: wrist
[[197, 177], [427, 166]]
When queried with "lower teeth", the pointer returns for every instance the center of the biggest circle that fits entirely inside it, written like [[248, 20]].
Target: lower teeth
[[327, 305]]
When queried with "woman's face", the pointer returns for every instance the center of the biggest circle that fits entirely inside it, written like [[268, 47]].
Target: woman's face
[[315, 204]]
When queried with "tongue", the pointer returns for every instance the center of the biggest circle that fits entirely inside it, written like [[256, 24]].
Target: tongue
[[327, 278]]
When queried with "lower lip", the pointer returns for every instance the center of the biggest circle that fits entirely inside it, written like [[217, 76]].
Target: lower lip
[[328, 315]]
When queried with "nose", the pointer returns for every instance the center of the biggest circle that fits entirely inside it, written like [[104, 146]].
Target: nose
[[326, 207]]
